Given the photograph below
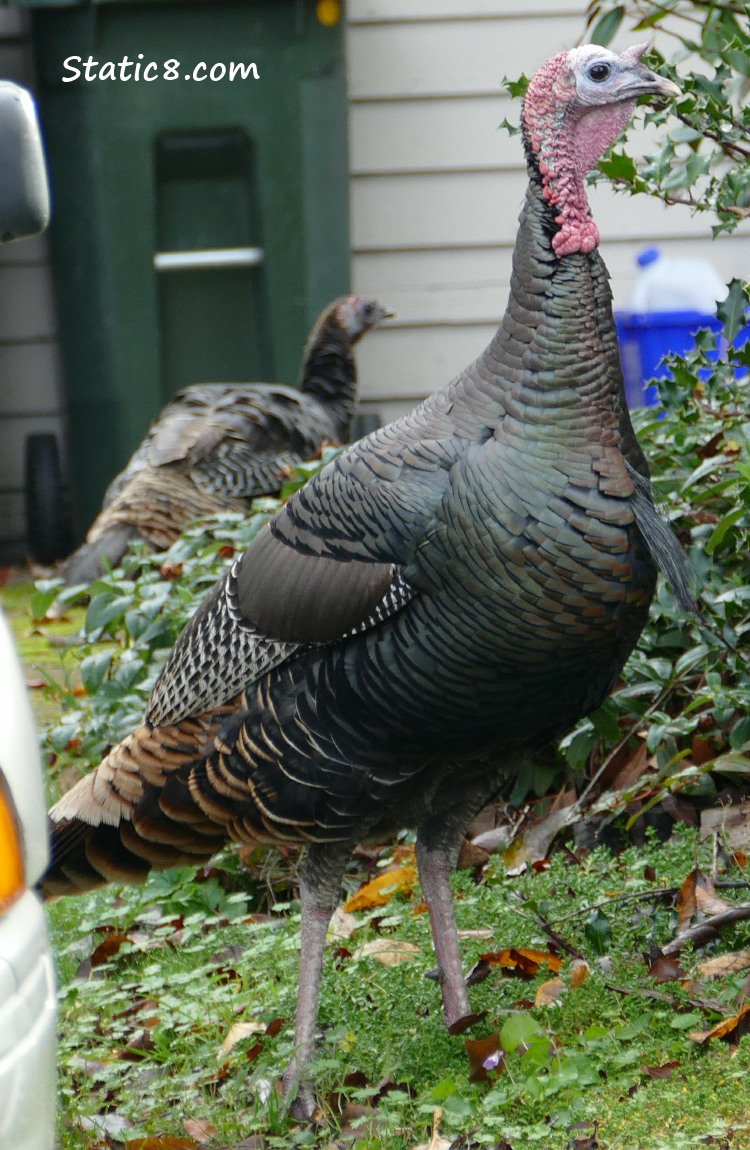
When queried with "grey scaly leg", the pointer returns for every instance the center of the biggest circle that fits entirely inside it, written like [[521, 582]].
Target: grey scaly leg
[[438, 845], [320, 891]]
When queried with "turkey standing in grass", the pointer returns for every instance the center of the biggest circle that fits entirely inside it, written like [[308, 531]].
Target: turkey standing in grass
[[217, 446], [444, 598]]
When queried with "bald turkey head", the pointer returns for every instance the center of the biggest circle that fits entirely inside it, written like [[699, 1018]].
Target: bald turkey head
[[575, 107]]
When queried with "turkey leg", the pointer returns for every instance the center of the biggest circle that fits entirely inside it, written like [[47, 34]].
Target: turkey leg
[[438, 845], [320, 891]]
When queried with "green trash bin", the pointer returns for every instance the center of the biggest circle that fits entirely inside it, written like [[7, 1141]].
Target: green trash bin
[[200, 217]]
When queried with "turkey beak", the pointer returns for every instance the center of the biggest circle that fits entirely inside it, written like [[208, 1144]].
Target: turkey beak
[[666, 87], [387, 313], [648, 83]]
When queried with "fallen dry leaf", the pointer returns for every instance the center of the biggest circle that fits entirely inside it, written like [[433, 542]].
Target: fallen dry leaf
[[731, 823], [200, 1129], [380, 890], [108, 947], [725, 964], [343, 924], [579, 972], [466, 1022], [732, 1029], [666, 1070], [239, 1031], [550, 992], [664, 968], [524, 961], [389, 951], [485, 1054], [535, 842], [698, 893]]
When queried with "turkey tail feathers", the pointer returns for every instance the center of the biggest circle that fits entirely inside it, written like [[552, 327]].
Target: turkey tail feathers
[[91, 559], [663, 545]]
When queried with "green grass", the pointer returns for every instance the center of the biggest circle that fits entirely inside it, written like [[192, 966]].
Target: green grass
[[141, 1033]]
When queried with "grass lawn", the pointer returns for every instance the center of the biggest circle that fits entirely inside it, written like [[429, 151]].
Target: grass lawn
[[177, 1001]]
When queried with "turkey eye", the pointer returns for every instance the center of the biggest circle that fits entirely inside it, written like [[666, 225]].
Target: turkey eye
[[599, 72]]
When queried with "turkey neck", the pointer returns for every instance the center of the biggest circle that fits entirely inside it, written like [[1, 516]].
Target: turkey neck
[[330, 374], [555, 354]]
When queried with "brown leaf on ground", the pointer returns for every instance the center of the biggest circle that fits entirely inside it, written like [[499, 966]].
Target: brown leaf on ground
[[380, 890], [108, 947], [201, 1129], [136, 1007], [138, 1046], [732, 824], [479, 971], [698, 893], [550, 992], [481, 1051], [240, 1030], [725, 964], [343, 924], [666, 1070], [523, 961], [626, 767], [471, 856], [664, 968], [579, 972], [466, 1022], [534, 844], [389, 951], [730, 1029]]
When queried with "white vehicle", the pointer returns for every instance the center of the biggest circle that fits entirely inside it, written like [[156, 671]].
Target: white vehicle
[[27, 987]]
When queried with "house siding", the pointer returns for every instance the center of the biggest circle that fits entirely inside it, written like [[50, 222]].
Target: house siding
[[436, 186]]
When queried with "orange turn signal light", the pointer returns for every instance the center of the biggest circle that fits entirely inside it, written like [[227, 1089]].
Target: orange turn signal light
[[12, 876]]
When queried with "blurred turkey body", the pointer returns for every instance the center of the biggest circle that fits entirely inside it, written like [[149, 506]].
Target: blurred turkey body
[[216, 447], [442, 599]]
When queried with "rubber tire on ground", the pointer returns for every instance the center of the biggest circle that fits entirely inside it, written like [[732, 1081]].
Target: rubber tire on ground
[[49, 531]]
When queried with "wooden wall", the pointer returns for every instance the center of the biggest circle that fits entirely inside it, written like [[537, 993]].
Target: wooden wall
[[436, 186]]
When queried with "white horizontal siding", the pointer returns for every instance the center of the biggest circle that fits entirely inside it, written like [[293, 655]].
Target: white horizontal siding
[[450, 57], [401, 136], [26, 303], [436, 187], [396, 11], [29, 373]]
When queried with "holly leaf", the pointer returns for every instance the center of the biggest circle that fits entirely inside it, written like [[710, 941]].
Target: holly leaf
[[604, 32], [731, 311]]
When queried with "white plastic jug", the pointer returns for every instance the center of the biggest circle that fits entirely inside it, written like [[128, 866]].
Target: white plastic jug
[[666, 284]]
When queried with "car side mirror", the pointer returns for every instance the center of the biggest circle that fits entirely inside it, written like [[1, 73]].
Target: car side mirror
[[24, 191]]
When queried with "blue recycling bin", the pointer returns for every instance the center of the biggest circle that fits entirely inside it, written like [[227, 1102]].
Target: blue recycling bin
[[646, 338]]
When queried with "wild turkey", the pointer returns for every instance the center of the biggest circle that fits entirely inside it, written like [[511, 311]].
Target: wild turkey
[[216, 447], [447, 596]]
